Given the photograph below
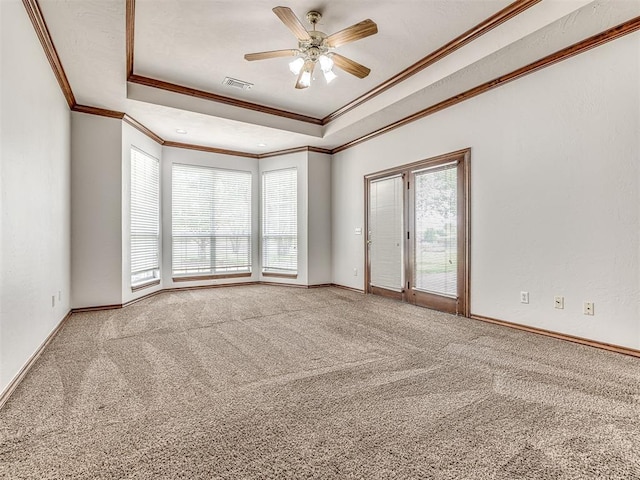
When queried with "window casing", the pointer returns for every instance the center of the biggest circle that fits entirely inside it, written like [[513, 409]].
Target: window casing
[[145, 218], [211, 227], [280, 222]]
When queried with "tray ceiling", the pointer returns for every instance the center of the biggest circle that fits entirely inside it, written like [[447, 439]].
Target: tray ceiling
[[196, 43]]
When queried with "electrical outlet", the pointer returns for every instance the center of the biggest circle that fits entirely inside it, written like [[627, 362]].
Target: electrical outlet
[[588, 308], [355, 272], [558, 302], [524, 297]]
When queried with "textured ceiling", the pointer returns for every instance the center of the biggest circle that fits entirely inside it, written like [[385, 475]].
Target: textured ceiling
[[197, 43]]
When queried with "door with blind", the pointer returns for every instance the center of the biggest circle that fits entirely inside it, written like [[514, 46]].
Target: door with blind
[[385, 236], [430, 220]]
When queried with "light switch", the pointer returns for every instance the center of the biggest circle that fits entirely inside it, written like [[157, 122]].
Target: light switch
[[358, 231]]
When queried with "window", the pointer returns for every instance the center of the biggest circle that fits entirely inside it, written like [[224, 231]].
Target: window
[[211, 221], [280, 222], [145, 218]]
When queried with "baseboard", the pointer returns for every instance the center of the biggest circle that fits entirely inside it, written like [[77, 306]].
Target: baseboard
[[144, 297], [540, 331], [561, 336], [116, 306], [201, 287], [97, 308], [4, 397], [278, 284], [351, 289]]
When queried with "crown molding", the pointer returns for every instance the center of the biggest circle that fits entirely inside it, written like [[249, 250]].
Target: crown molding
[[237, 153], [294, 150], [35, 14], [137, 125], [320, 150], [40, 26], [213, 97], [467, 37], [102, 112], [130, 33], [286, 151], [202, 148], [609, 35]]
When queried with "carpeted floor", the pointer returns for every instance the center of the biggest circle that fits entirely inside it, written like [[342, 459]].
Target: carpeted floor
[[263, 382]]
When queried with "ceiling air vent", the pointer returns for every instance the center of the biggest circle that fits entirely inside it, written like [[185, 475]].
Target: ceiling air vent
[[235, 83]]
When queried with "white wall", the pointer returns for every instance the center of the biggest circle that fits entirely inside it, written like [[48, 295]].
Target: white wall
[[172, 155], [319, 218], [34, 200], [300, 161], [96, 210], [554, 193], [132, 137]]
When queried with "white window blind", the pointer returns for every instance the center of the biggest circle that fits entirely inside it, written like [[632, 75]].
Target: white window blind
[[280, 221], [145, 217], [386, 233], [436, 232], [211, 213]]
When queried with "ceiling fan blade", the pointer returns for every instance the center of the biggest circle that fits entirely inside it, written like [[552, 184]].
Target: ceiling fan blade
[[292, 22], [353, 33], [304, 77], [271, 54], [349, 66]]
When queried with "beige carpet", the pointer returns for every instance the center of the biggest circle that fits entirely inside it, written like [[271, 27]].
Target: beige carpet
[[262, 382]]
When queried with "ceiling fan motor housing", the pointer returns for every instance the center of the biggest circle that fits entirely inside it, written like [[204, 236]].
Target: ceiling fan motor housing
[[312, 49], [313, 17]]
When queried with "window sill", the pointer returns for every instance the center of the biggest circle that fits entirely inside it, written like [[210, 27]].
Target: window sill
[[280, 275], [195, 278], [151, 283]]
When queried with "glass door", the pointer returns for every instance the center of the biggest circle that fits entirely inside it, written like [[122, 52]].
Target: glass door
[[385, 236], [418, 233], [435, 242]]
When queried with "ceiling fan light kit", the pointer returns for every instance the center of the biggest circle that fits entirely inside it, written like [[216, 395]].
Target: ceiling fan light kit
[[316, 47]]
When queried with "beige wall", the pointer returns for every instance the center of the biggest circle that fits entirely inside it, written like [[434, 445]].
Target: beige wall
[[555, 184], [34, 195]]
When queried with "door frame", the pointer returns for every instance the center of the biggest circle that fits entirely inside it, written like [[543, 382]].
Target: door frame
[[464, 229]]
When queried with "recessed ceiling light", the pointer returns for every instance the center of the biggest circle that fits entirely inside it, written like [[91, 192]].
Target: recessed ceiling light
[[181, 131], [262, 144]]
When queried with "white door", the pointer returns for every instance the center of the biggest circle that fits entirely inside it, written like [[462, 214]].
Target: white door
[[386, 234]]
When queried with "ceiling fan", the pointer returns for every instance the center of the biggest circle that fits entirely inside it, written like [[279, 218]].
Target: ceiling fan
[[316, 47]]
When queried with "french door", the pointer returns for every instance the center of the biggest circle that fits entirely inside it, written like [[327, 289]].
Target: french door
[[417, 224]]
